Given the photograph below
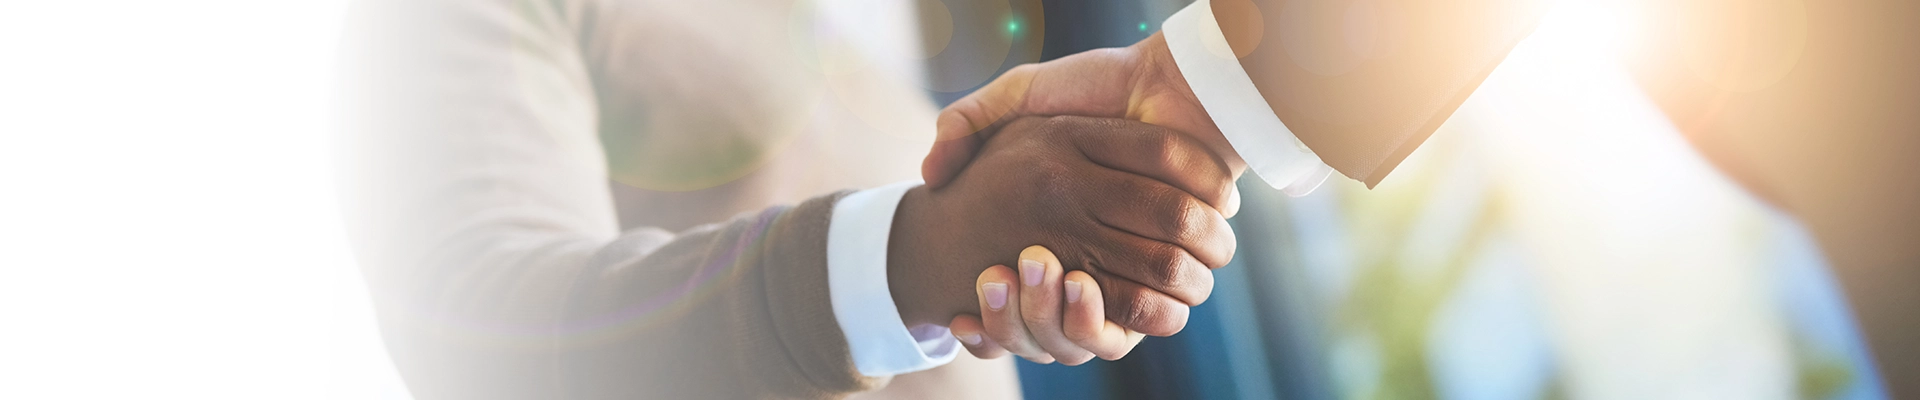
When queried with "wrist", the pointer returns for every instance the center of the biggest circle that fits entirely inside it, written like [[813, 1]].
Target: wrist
[[1160, 95], [1156, 67], [914, 266]]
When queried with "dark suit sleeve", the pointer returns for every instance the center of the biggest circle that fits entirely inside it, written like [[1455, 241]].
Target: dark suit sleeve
[[1364, 82]]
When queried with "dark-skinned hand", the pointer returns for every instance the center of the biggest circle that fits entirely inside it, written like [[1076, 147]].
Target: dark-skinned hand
[[1135, 207]]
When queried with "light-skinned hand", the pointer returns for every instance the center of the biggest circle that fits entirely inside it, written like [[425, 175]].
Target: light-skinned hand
[[1042, 315], [1138, 82]]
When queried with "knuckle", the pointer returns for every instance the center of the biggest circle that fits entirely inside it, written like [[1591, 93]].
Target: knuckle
[[1219, 193], [1056, 127], [1163, 264], [1165, 150], [1036, 321], [1181, 216], [1004, 335], [1078, 335], [1140, 309], [1158, 266], [1158, 318], [1178, 278]]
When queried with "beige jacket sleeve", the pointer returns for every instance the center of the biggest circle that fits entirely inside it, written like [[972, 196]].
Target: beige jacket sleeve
[[476, 190], [1364, 83]]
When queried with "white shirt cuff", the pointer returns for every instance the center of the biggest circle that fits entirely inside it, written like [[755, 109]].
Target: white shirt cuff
[[881, 343], [1228, 95]]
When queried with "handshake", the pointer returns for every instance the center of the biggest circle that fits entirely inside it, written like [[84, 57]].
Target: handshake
[[1108, 174]]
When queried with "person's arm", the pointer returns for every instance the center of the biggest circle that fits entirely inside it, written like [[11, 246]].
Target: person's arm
[[480, 213], [1363, 83], [878, 338], [1360, 84], [481, 217]]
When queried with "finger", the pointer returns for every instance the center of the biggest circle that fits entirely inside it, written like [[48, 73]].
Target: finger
[[1000, 314], [1155, 152], [1232, 207], [948, 157], [1085, 320], [973, 336], [1040, 300], [1157, 265], [1156, 211], [1142, 309], [963, 126]]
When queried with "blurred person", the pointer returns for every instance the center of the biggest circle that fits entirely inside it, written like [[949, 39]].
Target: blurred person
[[1808, 105], [580, 199]]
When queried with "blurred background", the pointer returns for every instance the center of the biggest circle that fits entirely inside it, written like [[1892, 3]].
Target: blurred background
[[169, 228], [1480, 270]]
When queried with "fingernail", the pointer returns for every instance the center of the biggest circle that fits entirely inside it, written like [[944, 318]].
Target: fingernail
[[1031, 270], [971, 339], [996, 294], [1073, 291]]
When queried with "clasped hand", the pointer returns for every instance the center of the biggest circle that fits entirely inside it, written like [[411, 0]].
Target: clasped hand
[[1120, 218], [1135, 216]]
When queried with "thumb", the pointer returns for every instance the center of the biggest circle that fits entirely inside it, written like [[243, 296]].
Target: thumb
[[963, 127]]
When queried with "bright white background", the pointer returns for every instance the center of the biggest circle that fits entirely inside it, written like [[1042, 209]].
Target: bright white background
[[168, 224]]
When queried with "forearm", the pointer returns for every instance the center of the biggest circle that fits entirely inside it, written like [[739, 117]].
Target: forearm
[[1364, 93], [925, 288], [476, 192], [503, 312]]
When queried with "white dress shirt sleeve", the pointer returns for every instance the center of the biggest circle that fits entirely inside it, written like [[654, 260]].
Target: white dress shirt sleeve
[[1228, 95], [882, 344]]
